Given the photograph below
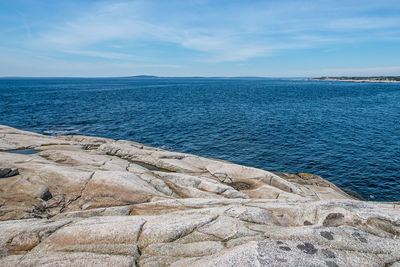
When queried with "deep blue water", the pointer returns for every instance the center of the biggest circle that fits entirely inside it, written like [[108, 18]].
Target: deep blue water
[[349, 133]]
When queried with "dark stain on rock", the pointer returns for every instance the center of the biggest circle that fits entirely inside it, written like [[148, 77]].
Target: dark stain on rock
[[147, 166], [8, 172], [46, 195], [280, 259], [331, 264], [384, 225], [359, 237], [179, 157], [334, 219], [328, 253], [89, 146], [307, 248], [307, 223], [327, 235], [279, 242], [285, 248], [240, 186]]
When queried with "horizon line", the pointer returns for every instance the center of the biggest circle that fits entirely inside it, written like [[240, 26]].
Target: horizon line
[[197, 77], [155, 77]]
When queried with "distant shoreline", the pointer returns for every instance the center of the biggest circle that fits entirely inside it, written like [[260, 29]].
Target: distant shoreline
[[374, 79], [383, 79]]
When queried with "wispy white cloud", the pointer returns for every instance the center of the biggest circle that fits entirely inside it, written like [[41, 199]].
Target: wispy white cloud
[[25, 64], [364, 23], [173, 33], [107, 54], [253, 30]]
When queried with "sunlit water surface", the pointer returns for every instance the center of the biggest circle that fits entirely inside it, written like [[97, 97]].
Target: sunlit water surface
[[348, 133]]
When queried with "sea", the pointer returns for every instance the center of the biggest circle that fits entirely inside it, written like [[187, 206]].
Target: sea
[[348, 133]]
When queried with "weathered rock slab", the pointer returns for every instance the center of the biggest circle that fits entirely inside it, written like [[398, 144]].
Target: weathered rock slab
[[89, 201]]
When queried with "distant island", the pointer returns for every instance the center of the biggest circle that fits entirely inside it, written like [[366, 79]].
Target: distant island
[[195, 77], [371, 79]]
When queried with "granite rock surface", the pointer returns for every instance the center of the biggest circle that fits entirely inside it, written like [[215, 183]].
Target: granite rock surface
[[84, 201]]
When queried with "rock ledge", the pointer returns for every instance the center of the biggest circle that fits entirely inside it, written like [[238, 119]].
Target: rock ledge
[[83, 201]]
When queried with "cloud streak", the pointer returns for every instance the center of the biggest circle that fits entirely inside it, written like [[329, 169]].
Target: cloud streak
[[178, 33], [254, 31]]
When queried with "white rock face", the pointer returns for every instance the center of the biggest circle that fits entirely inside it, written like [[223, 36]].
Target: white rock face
[[88, 201], [111, 188]]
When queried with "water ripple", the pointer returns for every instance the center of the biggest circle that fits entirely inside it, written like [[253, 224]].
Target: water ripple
[[349, 133]]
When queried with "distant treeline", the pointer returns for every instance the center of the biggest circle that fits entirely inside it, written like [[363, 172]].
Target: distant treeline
[[372, 78]]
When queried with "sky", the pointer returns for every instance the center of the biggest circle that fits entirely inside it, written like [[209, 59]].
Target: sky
[[277, 38]]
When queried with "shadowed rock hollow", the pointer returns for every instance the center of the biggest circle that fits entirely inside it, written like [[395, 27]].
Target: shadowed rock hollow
[[86, 201]]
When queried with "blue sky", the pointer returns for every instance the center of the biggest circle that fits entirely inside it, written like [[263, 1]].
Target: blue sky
[[277, 38]]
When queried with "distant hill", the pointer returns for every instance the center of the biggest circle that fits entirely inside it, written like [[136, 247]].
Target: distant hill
[[142, 77], [195, 77]]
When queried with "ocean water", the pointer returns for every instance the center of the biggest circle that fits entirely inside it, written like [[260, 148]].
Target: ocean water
[[348, 133]]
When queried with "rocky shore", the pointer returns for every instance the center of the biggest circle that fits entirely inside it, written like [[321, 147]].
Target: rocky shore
[[88, 201]]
